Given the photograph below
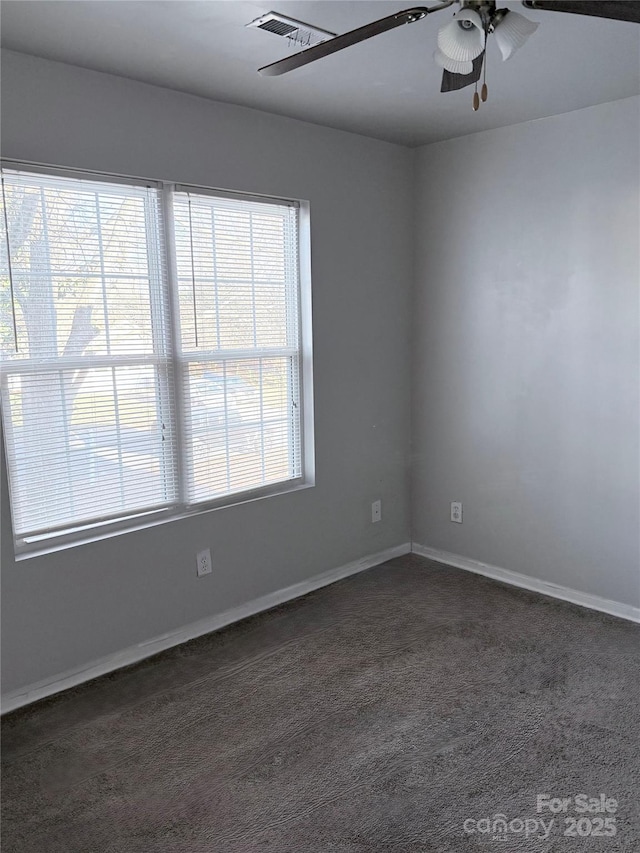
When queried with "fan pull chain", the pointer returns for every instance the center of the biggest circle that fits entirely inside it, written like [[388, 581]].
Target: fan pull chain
[[485, 92]]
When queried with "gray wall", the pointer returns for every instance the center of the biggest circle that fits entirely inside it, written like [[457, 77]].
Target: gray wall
[[72, 607], [526, 374]]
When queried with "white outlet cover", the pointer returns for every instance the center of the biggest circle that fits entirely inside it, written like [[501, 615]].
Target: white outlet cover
[[203, 562]]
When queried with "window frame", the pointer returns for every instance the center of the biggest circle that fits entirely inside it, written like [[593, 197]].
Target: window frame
[[82, 533]]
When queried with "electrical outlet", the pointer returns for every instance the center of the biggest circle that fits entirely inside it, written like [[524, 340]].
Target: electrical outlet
[[203, 562], [376, 511], [456, 512]]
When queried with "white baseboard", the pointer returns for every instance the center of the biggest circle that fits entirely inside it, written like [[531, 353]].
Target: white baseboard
[[71, 678], [585, 599]]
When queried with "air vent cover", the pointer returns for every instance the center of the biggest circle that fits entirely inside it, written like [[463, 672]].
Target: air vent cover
[[296, 31]]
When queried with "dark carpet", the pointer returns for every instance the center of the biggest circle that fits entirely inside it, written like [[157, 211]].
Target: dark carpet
[[406, 708]]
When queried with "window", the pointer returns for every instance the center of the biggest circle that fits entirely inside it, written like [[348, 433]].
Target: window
[[152, 361]]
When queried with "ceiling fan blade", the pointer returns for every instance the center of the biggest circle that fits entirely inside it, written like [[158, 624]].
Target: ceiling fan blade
[[619, 10], [451, 82], [325, 48]]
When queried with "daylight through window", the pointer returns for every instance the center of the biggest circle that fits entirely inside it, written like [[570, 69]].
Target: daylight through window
[[133, 384]]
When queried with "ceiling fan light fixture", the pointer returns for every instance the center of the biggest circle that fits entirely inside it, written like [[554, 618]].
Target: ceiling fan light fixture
[[452, 65], [512, 32], [463, 38]]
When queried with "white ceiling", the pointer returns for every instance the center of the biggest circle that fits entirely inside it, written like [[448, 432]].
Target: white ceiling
[[387, 87]]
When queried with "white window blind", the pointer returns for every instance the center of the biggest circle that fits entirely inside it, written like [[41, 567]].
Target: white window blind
[[86, 380], [132, 385], [237, 275]]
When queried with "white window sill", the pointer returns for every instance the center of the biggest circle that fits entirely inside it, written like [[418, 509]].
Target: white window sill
[[97, 533]]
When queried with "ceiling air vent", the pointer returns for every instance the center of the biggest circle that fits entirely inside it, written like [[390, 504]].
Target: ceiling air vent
[[297, 32]]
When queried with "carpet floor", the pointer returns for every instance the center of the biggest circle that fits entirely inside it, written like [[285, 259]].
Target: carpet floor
[[403, 709]]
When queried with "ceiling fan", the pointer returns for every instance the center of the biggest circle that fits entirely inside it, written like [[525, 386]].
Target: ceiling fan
[[461, 42]]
